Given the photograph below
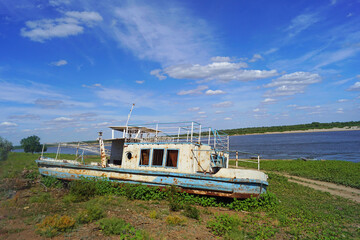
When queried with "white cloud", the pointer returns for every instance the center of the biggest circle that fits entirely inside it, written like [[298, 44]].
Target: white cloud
[[166, 34], [355, 87], [8, 124], [272, 50], [86, 17], [56, 3], [340, 110], [95, 85], [25, 93], [256, 110], [214, 92], [290, 84], [157, 73], [63, 119], [219, 112], [256, 57], [342, 100], [220, 59], [223, 104], [228, 118], [197, 91], [221, 71], [25, 116], [336, 56], [201, 112], [194, 109], [140, 82], [269, 100], [59, 63], [301, 23], [71, 24], [48, 103]]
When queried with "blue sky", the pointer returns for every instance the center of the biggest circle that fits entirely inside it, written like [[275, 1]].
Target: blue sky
[[71, 68]]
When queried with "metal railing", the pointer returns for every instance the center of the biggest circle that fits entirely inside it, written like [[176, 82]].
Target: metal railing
[[183, 132], [255, 158]]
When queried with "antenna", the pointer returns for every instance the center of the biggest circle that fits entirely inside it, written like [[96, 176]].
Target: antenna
[[132, 107]]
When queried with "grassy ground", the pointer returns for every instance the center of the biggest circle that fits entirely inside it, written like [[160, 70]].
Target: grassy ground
[[32, 207], [340, 172]]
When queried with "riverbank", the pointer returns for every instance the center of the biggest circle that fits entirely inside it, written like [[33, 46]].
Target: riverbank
[[305, 131], [31, 205]]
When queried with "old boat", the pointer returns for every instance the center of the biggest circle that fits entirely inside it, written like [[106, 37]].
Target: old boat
[[185, 155]]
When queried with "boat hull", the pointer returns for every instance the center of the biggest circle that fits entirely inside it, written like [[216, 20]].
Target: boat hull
[[198, 183]]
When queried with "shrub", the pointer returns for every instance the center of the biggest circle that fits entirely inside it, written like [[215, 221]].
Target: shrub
[[41, 198], [154, 215], [175, 199], [117, 226], [175, 220], [54, 225], [83, 190], [223, 224], [192, 212], [92, 213], [50, 181], [5, 148]]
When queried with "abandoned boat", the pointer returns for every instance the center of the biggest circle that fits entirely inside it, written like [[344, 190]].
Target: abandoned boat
[[180, 154]]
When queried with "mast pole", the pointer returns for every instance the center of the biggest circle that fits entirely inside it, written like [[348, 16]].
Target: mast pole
[[127, 121]]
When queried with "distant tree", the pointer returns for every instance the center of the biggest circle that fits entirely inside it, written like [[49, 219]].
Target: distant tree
[[31, 144], [5, 148]]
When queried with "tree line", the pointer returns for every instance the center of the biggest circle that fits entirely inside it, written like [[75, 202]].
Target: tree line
[[313, 125]]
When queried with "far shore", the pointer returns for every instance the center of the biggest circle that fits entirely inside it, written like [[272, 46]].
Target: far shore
[[305, 131]]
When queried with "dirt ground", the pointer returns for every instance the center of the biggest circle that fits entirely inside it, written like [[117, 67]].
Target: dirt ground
[[332, 188]]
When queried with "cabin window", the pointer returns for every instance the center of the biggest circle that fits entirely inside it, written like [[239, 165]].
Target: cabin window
[[172, 158], [144, 157], [157, 157]]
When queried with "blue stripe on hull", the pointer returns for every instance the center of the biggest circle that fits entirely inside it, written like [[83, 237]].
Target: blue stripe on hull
[[186, 181], [249, 188], [202, 176]]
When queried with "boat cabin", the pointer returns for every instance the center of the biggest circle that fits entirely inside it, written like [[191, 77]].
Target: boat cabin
[[143, 148]]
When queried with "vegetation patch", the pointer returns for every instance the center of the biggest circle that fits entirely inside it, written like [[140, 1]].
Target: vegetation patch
[[118, 226], [223, 224], [174, 220], [54, 225], [192, 212], [90, 214]]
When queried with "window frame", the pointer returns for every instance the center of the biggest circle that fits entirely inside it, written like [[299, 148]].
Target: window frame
[[150, 151], [152, 155], [177, 160]]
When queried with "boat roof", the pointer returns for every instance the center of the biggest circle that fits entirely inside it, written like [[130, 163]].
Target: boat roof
[[135, 128]]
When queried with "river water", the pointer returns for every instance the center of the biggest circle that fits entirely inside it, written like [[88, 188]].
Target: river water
[[342, 145]]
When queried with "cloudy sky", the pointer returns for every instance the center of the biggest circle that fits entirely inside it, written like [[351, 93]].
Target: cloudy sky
[[71, 68]]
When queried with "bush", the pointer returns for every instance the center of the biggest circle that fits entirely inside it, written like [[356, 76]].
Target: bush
[[192, 212], [117, 226], [41, 198], [223, 224], [82, 190], [92, 213], [175, 220], [54, 225], [5, 148], [50, 181]]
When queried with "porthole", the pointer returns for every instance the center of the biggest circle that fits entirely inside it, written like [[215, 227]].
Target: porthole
[[129, 155]]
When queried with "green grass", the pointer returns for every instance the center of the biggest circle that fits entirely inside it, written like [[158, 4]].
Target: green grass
[[17, 162], [340, 172]]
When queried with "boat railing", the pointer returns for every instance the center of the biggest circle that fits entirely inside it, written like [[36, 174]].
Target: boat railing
[[181, 132], [254, 157]]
